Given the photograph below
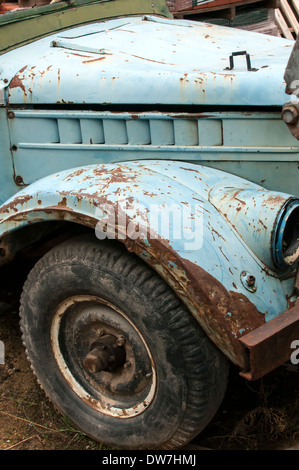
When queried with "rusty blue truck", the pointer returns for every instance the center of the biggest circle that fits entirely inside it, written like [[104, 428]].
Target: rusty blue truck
[[152, 163]]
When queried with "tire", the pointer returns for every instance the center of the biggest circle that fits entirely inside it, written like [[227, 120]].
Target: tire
[[116, 351]]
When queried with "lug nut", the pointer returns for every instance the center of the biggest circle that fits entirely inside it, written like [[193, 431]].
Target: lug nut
[[120, 341], [101, 332]]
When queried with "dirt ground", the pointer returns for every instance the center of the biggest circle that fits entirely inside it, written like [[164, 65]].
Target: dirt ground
[[261, 415]]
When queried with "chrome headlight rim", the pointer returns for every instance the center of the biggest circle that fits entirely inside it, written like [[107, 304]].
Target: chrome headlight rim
[[286, 236]]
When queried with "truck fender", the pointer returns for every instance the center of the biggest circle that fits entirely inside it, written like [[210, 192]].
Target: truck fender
[[194, 247]]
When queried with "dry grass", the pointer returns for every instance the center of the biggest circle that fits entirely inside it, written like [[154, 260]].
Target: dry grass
[[263, 415]]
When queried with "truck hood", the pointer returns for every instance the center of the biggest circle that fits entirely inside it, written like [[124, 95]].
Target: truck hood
[[147, 60]]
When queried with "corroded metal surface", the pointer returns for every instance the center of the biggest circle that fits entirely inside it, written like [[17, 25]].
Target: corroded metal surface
[[208, 278], [290, 114], [61, 100], [237, 142], [183, 63], [269, 346]]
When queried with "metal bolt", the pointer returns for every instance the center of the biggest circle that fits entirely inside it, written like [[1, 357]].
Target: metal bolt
[[19, 180], [120, 341], [95, 361], [290, 114], [250, 280], [100, 332]]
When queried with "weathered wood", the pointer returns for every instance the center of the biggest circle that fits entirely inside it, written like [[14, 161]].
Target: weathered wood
[[289, 15], [281, 23], [210, 6], [295, 4]]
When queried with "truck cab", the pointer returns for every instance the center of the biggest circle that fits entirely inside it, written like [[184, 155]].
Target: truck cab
[[154, 163]]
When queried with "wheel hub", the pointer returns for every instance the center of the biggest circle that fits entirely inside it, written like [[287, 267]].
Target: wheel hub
[[103, 356]]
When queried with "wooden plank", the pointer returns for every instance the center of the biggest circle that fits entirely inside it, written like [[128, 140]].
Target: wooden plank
[[285, 21], [281, 23], [214, 6], [289, 15], [295, 4], [267, 26], [272, 4]]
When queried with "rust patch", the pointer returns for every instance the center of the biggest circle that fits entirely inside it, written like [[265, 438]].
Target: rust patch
[[273, 202], [93, 60], [216, 233], [12, 206], [262, 223], [63, 203], [45, 71], [191, 116], [16, 82], [152, 60], [234, 196], [224, 315], [80, 55], [23, 69], [135, 116], [270, 345]]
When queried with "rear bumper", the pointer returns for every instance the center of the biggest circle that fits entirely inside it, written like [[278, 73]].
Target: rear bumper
[[269, 346]]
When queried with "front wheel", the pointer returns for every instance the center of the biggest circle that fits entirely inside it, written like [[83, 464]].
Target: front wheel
[[116, 351]]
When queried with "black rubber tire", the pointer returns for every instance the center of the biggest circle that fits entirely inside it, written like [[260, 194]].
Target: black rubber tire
[[190, 372]]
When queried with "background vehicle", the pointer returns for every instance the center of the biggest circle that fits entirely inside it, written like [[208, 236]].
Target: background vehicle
[[111, 112]]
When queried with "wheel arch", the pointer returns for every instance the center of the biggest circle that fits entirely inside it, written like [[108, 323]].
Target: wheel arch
[[201, 279]]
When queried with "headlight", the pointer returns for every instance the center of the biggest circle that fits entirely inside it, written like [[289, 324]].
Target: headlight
[[267, 221], [286, 236]]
